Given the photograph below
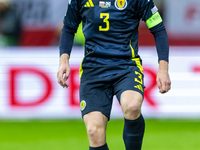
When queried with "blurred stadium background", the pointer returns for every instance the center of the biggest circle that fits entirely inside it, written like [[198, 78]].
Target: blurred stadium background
[[36, 113]]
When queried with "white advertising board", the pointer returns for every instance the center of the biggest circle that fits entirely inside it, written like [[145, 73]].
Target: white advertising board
[[29, 88], [183, 17]]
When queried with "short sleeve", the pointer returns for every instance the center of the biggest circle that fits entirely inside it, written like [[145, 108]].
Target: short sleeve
[[72, 18]]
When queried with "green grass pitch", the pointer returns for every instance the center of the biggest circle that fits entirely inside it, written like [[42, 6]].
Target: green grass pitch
[[71, 135]]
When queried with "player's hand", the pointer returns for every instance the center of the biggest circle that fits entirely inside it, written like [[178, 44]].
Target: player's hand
[[63, 71], [163, 79]]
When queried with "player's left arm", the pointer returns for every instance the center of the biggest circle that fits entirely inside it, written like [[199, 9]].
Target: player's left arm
[[157, 28]]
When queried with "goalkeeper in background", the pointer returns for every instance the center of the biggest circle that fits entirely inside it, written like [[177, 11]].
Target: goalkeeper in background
[[111, 65]]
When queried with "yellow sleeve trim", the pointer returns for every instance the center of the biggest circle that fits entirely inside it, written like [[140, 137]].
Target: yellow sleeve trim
[[154, 20]]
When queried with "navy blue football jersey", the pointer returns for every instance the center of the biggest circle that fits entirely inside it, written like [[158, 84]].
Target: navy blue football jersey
[[111, 31]]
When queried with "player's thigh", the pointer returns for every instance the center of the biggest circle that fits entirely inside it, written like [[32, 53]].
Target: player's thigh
[[96, 95], [130, 91], [130, 86]]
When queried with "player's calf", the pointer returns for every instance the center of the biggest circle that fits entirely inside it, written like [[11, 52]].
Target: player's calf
[[133, 133]]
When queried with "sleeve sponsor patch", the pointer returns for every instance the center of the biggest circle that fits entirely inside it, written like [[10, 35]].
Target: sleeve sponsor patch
[[154, 10]]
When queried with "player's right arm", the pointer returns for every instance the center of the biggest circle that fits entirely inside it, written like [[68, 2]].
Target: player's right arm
[[71, 23], [63, 71]]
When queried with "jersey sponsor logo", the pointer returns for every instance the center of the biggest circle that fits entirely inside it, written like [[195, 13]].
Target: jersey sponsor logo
[[89, 3], [154, 10], [120, 4], [83, 105], [104, 4]]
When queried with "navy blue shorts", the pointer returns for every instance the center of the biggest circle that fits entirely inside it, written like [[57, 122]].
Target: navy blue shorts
[[96, 94]]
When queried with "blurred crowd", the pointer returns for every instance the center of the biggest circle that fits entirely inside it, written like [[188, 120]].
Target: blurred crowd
[[39, 23], [11, 28], [9, 24]]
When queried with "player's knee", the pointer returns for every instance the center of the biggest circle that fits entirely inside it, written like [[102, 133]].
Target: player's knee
[[92, 131], [95, 125], [133, 107], [132, 110], [131, 102]]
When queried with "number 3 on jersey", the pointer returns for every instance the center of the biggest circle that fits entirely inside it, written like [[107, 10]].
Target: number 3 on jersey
[[139, 79], [106, 17]]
